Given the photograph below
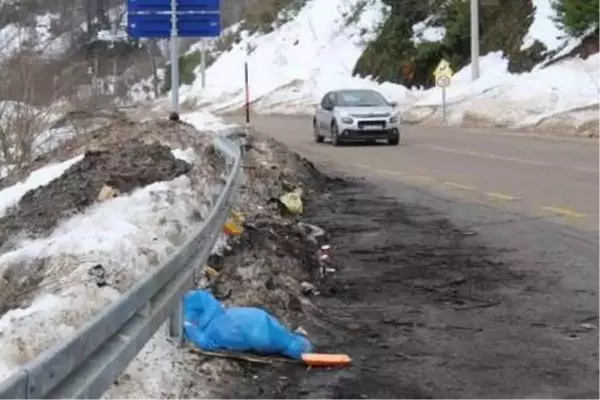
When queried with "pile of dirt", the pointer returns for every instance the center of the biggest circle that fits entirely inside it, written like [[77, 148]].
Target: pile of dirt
[[177, 135], [131, 165], [267, 265], [271, 170], [118, 158]]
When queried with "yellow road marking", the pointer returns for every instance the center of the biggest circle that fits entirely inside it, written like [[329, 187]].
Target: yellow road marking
[[364, 166], [388, 172], [486, 155], [505, 158], [501, 196], [563, 212], [458, 186], [420, 178], [532, 135]]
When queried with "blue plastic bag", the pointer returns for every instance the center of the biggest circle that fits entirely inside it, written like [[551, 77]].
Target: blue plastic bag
[[212, 327]]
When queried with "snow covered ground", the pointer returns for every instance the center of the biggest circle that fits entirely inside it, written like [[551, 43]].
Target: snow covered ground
[[128, 236], [312, 53], [291, 68], [568, 89]]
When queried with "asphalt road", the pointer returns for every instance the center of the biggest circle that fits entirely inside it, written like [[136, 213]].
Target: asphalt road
[[527, 210], [535, 176]]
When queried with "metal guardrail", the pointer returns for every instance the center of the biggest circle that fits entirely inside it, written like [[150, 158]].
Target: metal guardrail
[[87, 364]]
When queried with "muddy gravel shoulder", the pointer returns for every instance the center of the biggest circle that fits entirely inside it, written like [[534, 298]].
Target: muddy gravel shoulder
[[425, 306], [398, 273]]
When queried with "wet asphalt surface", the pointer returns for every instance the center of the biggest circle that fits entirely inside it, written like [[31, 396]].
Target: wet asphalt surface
[[434, 298]]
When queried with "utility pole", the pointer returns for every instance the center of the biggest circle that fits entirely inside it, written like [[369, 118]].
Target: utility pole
[[474, 40], [174, 65]]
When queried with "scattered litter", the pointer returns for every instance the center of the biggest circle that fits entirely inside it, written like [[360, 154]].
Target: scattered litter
[[99, 273], [235, 224], [325, 259], [588, 326], [212, 327], [107, 193], [301, 331], [313, 232], [293, 201], [326, 360], [210, 272], [243, 356], [308, 288]]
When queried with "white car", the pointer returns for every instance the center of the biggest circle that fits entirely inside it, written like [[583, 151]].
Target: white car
[[356, 115]]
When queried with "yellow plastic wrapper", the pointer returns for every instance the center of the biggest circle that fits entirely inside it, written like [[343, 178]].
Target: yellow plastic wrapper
[[293, 201], [235, 224]]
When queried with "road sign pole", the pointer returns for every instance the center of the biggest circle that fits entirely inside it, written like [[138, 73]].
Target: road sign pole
[[474, 40], [444, 105], [247, 87], [174, 64], [203, 64]]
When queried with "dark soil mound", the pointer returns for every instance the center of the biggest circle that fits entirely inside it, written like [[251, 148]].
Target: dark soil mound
[[130, 165], [269, 261]]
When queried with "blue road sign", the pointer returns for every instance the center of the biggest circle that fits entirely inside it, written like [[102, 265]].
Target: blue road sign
[[159, 25], [199, 5], [149, 25], [165, 5], [136, 6], [199, 25], [152, 18]]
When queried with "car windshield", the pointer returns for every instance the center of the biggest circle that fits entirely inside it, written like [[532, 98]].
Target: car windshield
[[360, 98]]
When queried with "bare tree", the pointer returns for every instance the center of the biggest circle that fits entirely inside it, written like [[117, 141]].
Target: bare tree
[[24, 122]]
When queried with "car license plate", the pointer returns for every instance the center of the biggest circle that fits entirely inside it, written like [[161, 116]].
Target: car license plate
[[372, 127]]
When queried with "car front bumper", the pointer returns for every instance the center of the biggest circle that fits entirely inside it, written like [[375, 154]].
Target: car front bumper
[[349, 134], [368, 129]]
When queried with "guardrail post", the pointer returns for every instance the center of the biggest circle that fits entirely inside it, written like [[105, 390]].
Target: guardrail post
[[175, 324]]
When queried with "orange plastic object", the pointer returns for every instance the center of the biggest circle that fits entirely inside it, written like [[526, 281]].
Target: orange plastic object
[[231, 228], [326, 360]]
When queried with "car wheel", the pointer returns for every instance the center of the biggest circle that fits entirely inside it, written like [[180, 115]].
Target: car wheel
[[318, 137], [394, 141], [335, 134]]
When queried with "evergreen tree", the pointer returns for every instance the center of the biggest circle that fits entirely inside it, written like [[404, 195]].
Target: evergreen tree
[[577, 16]]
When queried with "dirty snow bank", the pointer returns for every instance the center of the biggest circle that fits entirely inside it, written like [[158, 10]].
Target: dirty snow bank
[[11, 195], [568, 90], [53, 283]]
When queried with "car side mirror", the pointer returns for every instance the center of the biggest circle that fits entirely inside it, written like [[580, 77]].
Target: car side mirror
[[393, 104], [328, 107]]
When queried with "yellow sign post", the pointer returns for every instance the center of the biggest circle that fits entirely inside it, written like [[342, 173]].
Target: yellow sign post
[[443, 76]]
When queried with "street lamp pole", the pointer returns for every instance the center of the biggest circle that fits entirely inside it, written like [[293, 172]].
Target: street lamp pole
[[474, 40]]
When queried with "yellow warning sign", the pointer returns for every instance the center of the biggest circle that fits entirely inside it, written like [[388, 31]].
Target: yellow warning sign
[[444, 69]]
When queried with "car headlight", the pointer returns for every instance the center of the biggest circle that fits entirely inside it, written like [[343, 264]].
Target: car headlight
[[394, 120], [347, 120]]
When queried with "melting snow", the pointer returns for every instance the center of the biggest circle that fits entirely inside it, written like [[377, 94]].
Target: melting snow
[[128, 236]]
